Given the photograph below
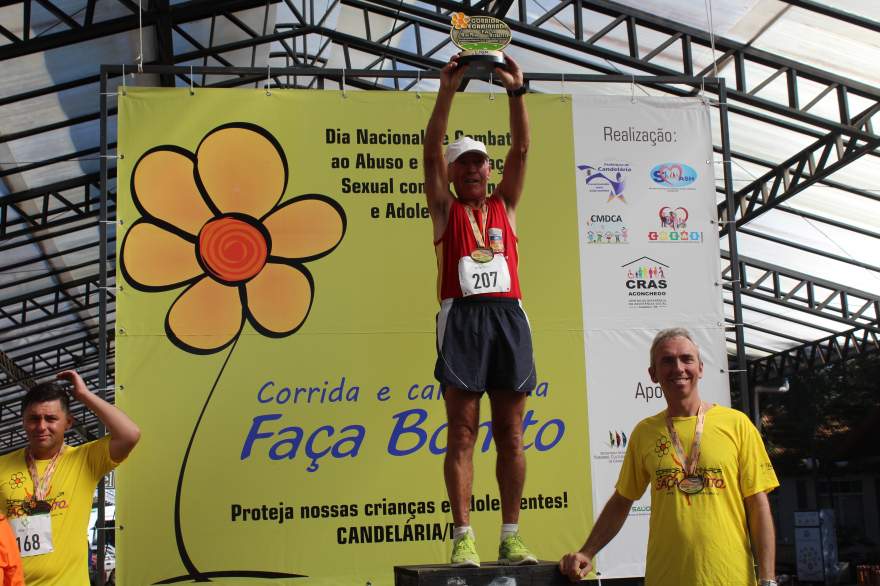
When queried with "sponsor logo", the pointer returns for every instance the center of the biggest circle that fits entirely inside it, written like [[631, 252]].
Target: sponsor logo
[[607, 229], [673, 227], [646, 281], [617, 439], [613, 448], [639, 510], [673, 175], [608, 179]]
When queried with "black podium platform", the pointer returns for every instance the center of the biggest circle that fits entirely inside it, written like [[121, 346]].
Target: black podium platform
[[542, 574]]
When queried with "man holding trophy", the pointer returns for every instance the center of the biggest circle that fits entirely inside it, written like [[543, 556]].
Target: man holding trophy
[[483, 338]]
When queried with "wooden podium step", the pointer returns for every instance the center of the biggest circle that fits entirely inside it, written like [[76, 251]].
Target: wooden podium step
[[542, 574]]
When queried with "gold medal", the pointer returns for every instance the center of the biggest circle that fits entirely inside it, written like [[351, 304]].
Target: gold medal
[[482, 254], [38, 508], [691, 484]]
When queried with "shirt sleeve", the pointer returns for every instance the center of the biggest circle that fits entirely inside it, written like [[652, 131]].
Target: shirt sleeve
[[98, 457], [756, 473], [10, 560], [634, 476]]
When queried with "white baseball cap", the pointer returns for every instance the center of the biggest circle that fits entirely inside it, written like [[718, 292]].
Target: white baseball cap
[[463, 145]]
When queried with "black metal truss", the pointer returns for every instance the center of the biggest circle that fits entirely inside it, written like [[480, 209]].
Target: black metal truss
[[788, 318], [827, 10], [75, 33], [847, 139], [13, 371], [814, 355], [794, 290], [53, 306], [814, 163], [749, 158], [65, 351], [682, 38]]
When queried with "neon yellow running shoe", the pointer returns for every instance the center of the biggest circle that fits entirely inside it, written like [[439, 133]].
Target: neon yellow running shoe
[[513, 552], [464, 552]]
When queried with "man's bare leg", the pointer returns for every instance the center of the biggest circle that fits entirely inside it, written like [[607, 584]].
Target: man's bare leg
[[510, 466], [510, 469], [463, 416]]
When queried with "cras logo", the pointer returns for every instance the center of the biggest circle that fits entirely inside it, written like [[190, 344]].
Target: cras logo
[[674, 227], [646, 281], [607, 229], [608, 179], [673, 175]]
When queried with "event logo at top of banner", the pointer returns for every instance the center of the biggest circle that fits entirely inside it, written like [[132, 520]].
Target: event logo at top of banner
[[646, 282], [607, 229], [673, 227], [608, 179], [673, 176]]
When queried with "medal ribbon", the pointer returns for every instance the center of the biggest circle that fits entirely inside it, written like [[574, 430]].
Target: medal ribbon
[[690, 462], [41, 485], [478, 230]]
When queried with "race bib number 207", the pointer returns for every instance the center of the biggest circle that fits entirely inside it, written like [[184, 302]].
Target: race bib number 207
[[478, 277]]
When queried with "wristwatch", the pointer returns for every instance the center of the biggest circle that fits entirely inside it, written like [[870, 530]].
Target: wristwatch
[[769, 583], [521, 90]]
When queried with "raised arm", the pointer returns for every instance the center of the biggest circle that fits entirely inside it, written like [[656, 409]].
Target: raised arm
[[514, 176], [436, 182], [578, 564], [762, 534], [124, 433]]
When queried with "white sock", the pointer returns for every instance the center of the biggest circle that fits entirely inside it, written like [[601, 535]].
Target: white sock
[[459, 532], [509, 529]]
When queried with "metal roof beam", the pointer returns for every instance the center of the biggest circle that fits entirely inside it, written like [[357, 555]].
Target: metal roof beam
[[14, 371], [51, 304], [50, 367], [179, 13], [819, 160], [636, 18], [51, 323], [840, 15], [804, 293], [817, 354], [824, 181], [810, 249], [782, 317]]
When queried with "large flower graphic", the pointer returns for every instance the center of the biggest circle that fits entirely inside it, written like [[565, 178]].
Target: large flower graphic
[[212, 221]]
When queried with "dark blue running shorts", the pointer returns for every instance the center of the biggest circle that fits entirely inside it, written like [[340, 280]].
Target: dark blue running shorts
[[484, 343]]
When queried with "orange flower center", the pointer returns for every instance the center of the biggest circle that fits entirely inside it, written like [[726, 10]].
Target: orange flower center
[[232, 250]]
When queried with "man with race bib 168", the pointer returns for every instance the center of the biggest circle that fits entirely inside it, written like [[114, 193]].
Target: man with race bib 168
[[483, 338], [46, 488]]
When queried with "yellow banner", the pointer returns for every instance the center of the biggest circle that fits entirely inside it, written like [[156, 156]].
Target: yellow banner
[[275, 337]]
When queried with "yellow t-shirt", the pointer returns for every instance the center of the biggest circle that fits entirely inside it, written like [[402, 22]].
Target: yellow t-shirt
[[70, 494], [699, 539]]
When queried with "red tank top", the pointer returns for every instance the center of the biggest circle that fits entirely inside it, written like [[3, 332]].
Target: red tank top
[[459, 241]]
